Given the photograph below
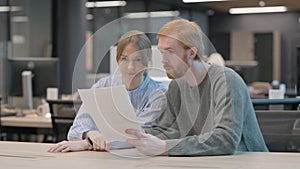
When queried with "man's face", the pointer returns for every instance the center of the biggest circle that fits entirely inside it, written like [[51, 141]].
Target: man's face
[[174, 56]]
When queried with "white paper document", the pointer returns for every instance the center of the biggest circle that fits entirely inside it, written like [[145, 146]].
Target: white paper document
[[111, 110]]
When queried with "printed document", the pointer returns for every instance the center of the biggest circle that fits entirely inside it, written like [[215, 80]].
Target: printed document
[[111, 110]]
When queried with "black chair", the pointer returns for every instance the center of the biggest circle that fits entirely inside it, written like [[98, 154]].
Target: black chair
[[63, 113], [1, 132], [280, 129]]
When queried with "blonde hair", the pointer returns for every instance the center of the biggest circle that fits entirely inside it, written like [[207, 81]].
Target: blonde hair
[[140, 40], [188, 33]]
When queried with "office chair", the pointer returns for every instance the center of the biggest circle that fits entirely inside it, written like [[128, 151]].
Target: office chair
[[63, 113], [280, 129]]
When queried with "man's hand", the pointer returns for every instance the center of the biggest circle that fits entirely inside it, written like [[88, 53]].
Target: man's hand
[[67, 146], [99, 143], [147, 143]]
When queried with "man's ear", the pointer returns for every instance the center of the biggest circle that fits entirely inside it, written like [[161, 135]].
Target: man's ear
[[193, 52]]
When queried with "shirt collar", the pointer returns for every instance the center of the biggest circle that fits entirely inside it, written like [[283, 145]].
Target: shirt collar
[[143, 85]]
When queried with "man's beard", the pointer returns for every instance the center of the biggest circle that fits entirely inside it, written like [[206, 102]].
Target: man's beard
[[170, 76]]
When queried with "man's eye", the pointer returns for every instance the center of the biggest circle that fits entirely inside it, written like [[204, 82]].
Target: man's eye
[[166, 52]]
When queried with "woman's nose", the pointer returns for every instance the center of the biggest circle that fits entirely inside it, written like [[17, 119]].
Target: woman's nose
[[131, 65]]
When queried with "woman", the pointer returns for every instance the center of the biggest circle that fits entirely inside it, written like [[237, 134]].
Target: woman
[[147, 96]]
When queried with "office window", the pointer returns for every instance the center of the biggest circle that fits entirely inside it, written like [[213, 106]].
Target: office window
[[30, 28]]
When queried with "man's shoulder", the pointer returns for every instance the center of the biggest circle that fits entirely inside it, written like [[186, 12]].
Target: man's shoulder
[[217, 71]]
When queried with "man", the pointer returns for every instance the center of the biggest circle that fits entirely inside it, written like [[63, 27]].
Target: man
[[208, 110]]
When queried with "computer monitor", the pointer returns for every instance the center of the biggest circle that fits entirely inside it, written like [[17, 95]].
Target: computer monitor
[[45, 73]]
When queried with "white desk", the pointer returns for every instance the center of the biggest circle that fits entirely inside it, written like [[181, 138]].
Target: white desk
[[39, 126], [36, 122], [14, 155]]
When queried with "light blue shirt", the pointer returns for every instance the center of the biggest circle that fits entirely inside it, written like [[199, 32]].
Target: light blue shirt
[[147, 101]]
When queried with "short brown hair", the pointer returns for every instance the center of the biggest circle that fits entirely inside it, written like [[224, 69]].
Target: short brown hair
[[141, 41], [188, 33]]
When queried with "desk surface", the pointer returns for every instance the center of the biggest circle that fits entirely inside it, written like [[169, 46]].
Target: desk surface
[[37, 122], [15, 155]]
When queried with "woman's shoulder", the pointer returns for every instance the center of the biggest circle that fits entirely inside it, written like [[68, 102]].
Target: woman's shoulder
[[108, 81], [154, 84]]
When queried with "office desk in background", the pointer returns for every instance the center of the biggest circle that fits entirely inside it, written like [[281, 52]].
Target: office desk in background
[[293, 103], [41, 126], [276, 101], [31, 124], [21, 122], [15, 155]]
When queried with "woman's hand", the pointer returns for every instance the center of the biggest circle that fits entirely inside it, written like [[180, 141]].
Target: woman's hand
[[67, 146], [99, 143]]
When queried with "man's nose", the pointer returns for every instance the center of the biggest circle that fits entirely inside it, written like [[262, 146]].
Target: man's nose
[[164, 59]]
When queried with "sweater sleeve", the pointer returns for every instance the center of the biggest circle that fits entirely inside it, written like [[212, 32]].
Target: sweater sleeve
[[227, 97], [165, 126]]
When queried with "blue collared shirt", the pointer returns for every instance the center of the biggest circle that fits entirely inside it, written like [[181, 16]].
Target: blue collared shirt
[[147, 101]]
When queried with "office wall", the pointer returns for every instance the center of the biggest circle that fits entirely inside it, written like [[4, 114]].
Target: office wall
[[286, 23]]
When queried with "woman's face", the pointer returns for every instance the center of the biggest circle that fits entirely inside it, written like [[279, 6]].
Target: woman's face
[[131, 67]]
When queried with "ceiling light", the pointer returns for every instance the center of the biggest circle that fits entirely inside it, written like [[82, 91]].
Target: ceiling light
[[262, 3], [19, 19], [101, 4], [4, 8], [193, 1], [89, 17], [135, 15], [268, 9], [10, 8], [155, 14]]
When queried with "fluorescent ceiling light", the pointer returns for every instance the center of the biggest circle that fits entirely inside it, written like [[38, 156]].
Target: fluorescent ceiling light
[[4, 8], [9, 8], [193, 1], [268, 9], [89, 17], [155, 14], [19, 19], [101, 4]]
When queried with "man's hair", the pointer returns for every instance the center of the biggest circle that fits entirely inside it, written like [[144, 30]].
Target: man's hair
[[140, 40], [188, 33]]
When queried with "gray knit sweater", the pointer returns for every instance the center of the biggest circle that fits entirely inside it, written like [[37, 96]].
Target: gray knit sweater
[[214, 118]]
